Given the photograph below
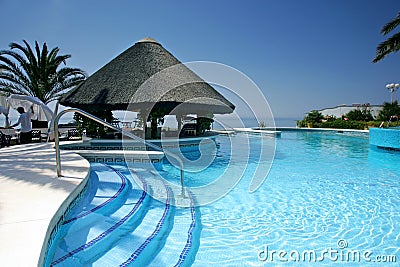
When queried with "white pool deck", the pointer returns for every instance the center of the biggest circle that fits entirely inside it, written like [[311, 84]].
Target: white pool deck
[[30, 195]]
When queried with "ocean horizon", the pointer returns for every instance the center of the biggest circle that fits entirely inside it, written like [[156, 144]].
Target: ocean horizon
[[252, 122]]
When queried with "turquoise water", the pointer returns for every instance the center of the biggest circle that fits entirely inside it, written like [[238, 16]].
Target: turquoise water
[[328, 199], [322, 189]]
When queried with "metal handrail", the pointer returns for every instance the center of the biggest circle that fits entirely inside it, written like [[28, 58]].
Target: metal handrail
[[128, 134]]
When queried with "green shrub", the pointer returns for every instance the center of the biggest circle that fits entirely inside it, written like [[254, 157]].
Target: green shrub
[[389, 109], [301, 123], [93, 129], [360, 115], [203, 124], [342, 124], [359, 119], [314, 117]]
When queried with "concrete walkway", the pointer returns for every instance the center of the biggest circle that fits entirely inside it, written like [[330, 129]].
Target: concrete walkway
[[30, 194]]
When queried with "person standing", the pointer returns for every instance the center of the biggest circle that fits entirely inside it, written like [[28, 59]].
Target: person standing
[[26, 125]]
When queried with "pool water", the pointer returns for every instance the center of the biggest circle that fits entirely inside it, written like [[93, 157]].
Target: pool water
[[322, 189], [329, 198]]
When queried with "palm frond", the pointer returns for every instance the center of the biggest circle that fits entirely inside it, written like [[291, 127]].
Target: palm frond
[[11, 71], [37, 72], [53, 54], [66, 79], [386, 47], [391, 25], [67, 71], [30, 61], [58, 60], [25, 66], [21, 60], [13, 88]]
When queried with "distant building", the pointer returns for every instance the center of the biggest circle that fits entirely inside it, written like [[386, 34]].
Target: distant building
[[343, 109]]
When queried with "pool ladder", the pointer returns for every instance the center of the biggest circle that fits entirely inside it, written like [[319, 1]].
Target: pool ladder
[[125, 133]]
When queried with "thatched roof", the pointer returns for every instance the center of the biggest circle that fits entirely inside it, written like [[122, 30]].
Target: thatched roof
[[124, 84]]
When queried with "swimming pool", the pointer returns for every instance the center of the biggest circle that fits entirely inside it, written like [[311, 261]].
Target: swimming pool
[[329, 198]]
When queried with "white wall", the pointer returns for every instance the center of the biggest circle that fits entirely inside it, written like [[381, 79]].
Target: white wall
[[339, 110]]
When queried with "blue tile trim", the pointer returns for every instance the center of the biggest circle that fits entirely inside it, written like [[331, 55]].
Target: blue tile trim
[[118, 159], [189, 240], [123, 185], [160, 224], [59, 223], [109, 230]]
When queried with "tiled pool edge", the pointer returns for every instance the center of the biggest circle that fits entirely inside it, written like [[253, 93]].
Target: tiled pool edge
[[385, 138], [58, 217]]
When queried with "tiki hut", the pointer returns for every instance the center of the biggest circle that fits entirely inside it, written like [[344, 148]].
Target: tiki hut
[[144, 78], [115, 86]]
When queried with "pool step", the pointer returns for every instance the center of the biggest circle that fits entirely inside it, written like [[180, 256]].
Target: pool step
[[105, 200], [138, 246], [173, 238], [142, 231], [90, 236], [183, 240]]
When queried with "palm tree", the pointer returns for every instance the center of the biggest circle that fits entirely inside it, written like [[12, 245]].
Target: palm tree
[[388, 110], [392, 44], [37, 73]]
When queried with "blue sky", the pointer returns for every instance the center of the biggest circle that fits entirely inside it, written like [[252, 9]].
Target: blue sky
[[303, 55]]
